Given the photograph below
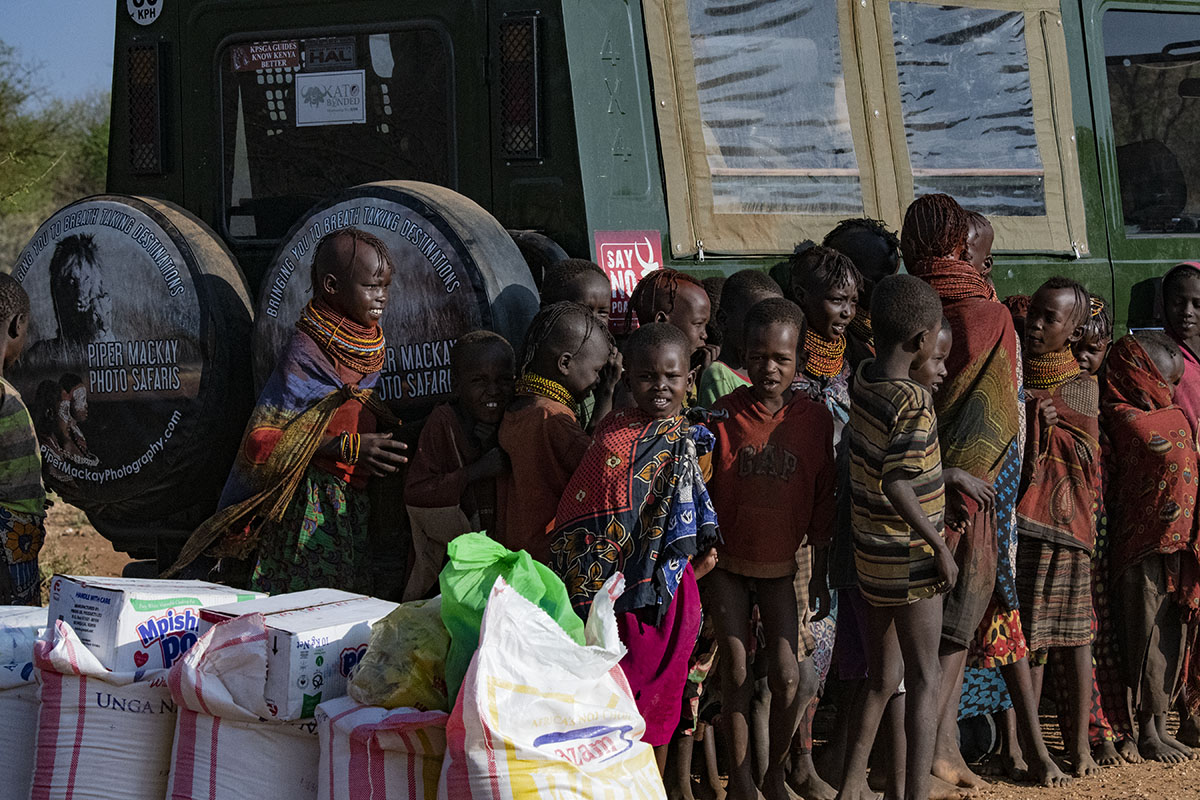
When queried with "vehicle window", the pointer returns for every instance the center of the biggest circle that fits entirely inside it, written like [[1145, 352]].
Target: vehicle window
[[304, 117], [773, 110], [1153, 65], [967, 106]]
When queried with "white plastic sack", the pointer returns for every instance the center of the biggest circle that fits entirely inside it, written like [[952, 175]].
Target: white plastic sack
[[224, 747], [539, 716], [20, 627], [370, 753], [101, 735], [18, 737]]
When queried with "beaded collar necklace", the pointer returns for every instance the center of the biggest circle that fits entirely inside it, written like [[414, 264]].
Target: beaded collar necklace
[[860, 326], [823, 357], [1051, 370], [533, 384], [342, 339]]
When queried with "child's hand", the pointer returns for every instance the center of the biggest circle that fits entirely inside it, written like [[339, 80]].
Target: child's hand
[[380, 454], [705, 356], [1047, 412], [704, 563], [947, 569], [610, 374], [967, 485], [818, 596], [491, 464]]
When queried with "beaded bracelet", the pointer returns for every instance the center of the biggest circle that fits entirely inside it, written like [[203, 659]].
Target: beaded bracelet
[[350, 444]]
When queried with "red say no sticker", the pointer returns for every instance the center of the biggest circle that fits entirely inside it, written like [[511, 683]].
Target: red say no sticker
[[626, 257]]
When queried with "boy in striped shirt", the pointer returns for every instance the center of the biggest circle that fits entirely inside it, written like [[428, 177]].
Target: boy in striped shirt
[[22, 494], [898, 496]]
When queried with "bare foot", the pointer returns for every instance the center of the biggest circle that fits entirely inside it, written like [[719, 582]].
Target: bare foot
[[774, 785], [1105, 754], [957, 773], [1157, 750], [940, 790], [804, 781], [1003, 765], [1129, 751], [1047, 773], [1171, 741], [1082, 765], [1189, 731], [858, 790]]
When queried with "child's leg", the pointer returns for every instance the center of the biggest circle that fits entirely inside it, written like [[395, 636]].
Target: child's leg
[[948, 763], [712, 771], [885, 669], [731, 612], [918, 628], [802, 774], [1042, 769], [781, 625], [1080, 706], [679, 787], [1143, 597]]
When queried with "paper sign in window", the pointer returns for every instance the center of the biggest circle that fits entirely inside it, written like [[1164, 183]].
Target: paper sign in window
[[331, 98]]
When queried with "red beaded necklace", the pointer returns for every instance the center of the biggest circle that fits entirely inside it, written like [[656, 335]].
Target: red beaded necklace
[[342, 339]]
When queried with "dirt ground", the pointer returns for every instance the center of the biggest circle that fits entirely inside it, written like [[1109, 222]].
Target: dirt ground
[[1129, 782], [73, 546]]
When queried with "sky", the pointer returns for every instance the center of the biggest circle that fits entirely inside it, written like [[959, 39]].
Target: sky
[[70, 40]]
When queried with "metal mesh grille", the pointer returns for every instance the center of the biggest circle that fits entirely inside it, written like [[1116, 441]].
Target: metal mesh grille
[[145, 138], [520, 136]]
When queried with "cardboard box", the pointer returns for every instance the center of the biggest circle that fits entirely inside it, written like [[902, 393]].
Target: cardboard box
[[20, 627], [315, 639], [136, 624]]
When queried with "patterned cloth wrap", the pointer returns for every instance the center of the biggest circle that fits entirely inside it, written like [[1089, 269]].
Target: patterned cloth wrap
[[978, 424], [637, 504], [21, 539], [284, 432]]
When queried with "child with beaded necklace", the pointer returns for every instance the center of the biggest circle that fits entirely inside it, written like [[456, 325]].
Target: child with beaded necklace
[[1055, 523], [566, 350], [296, 498], [875, 252]]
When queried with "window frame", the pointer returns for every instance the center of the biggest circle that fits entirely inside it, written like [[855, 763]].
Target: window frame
[[220, 57], [877, 130]]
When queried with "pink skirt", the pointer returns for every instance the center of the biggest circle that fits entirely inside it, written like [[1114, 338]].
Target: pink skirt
[[656, 665]]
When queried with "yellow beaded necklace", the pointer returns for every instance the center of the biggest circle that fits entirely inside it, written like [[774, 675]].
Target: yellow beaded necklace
[[533, 384], [823, 357], [1051, 370]]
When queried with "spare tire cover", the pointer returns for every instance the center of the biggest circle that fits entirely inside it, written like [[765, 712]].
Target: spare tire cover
[[138, 339], [457, 270]]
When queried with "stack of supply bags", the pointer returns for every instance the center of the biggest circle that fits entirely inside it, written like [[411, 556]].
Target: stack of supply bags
[[386, 740], [225, 748], [106, 718], [539, 715], [20, 627], [248, 689]]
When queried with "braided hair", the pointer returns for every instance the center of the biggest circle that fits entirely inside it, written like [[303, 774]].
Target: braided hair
[[819, 269], [1099, 325], [873, 248], [552, 327], [935, 226], [326, 261], [1083, 299], [656, 292]]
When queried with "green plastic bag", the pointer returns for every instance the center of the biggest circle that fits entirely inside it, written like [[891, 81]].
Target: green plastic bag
[[405, 664], [466, 581]]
